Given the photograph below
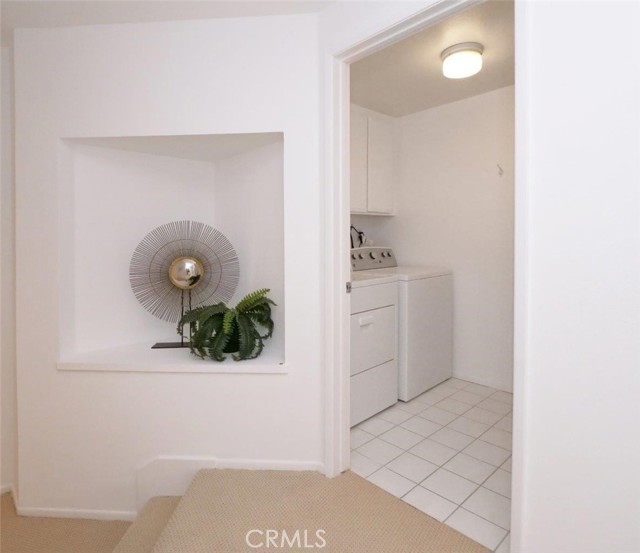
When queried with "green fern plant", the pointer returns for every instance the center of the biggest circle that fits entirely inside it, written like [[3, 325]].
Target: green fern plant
[[218, 329]]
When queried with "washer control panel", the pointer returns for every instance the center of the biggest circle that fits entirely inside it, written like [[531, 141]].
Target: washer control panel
[[372, 258]]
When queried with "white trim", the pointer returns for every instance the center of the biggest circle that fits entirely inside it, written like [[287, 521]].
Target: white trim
[[337, 304], [172, 474], [165, 475], [205, 366], [266, 464], [10, 488], [140, 357], [522, 285], [497, 383], [90, 514], [7, 488], [403, 29], [238, 463], [336, 215]]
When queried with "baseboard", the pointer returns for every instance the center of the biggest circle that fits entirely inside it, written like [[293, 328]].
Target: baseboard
[[7, 488], [159, 477], [496, 383], [251, 464], [76, 513], [11, 488], [171, 475], [45, 512]]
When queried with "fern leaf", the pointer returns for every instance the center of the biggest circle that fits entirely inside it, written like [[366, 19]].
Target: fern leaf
[[200, 314], [266, 324], [251, 299], [219, 342], [227, 325], [257, 347], [204, 331], [201, 339], [203, 312], [263, 301], [261, 308], [213, 327], [261, 315], [246, 337]]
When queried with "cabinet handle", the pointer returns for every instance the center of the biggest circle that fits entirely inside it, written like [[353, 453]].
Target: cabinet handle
[[365, 321]]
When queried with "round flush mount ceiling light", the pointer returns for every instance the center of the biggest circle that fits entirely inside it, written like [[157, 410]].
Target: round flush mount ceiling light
[[462, 60]]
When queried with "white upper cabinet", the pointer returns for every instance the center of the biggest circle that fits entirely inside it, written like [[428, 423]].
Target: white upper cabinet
[[359, 123], [380, 165], [372, 162]]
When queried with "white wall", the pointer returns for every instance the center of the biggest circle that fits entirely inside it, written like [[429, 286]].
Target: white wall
[[118, 197], [249, 207], [453, 209], [577, 443], [8, 446], [83, 435], [344, 25]]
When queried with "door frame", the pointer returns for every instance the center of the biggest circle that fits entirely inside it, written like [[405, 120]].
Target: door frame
[[336, 88]]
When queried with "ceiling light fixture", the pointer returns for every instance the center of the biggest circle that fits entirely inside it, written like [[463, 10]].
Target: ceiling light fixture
[[462, 60]]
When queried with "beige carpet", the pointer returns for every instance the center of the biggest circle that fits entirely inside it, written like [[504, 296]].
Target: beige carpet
[[142, 536], [221, 506], [56, 535]]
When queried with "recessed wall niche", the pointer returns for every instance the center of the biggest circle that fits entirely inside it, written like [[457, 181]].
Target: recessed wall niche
[[113, 191]]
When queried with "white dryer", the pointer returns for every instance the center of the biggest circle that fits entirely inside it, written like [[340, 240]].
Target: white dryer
[[425, 320], [425, 329]]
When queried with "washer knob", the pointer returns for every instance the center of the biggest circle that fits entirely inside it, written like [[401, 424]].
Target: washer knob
[[360, 256], [353, 256], [372, 255]]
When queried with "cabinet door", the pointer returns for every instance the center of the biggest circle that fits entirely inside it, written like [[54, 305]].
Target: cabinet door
[[358, 161], [373, 338], [380, 165], [373, 391]]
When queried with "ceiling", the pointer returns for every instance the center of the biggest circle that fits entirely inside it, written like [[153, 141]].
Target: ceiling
[[62, 13], [407, 76]]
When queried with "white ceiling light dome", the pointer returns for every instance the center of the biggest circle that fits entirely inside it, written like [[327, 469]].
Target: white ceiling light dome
[[462, 60]]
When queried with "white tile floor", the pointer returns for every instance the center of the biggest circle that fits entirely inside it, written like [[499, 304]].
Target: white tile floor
[[447, 453]]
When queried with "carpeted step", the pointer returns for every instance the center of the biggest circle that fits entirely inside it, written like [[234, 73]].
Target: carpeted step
[[346, 514], [144, 532]]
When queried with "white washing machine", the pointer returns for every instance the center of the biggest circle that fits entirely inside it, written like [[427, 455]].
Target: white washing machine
[[425, 318]]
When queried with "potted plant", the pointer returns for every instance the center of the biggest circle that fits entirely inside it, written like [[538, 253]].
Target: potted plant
[[240, 330]]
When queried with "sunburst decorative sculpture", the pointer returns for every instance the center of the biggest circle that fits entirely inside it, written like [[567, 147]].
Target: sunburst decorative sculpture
[[182, 265]]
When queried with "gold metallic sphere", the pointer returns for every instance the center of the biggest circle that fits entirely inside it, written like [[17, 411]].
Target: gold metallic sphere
[[186, 272]]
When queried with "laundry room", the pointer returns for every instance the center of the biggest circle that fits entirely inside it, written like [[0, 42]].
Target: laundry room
[[432, 261]]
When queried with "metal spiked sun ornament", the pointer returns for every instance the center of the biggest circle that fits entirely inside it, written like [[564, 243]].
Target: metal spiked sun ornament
[[182, 265]]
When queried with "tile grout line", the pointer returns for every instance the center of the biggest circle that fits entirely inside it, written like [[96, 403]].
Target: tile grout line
[[485, 519], [441, 466], [422, 438], [503, 540], [460, 505], [441, 427], [428, 437], [481, 486], [479, 516]]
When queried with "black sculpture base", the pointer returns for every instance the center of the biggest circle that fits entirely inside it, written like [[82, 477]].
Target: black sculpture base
[[168, 345]]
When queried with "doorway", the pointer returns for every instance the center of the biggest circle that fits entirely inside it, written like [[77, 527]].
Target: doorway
[[386, 228]]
